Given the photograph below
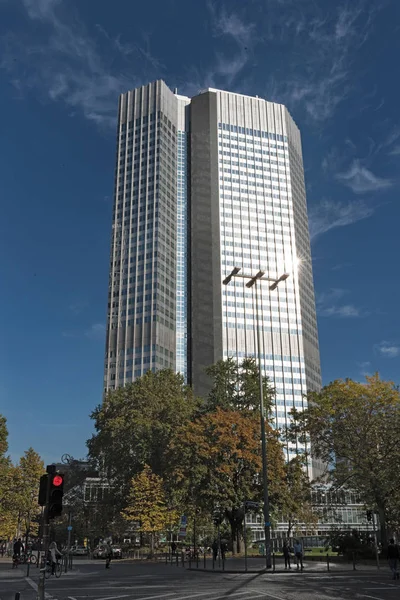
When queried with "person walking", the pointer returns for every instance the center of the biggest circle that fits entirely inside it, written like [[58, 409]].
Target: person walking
[[286, 555], [393, 554], [224, 548], [54, 554], [215, 549], [17, 549], [298, 553], [108, 553]]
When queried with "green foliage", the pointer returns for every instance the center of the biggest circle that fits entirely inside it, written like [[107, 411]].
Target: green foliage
[[19, 486], [147, 504], [354, 428], [236, 386], [29, 470], [352, 542], [135, 425], [296, 497]]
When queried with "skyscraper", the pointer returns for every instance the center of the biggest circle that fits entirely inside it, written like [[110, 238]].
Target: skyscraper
[[204, 185]]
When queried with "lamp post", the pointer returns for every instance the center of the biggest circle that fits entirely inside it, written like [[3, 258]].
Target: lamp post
[[260, 276]]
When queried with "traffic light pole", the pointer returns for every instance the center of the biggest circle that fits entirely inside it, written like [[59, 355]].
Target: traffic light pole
[[50, 469], [267, 524]]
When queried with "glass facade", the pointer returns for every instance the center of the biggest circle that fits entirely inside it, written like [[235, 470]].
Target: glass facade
[[204, 185], [182, 257], [143, 271]]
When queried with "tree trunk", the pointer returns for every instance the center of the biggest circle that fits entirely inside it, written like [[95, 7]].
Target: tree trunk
[[152, 544], [382, 526]]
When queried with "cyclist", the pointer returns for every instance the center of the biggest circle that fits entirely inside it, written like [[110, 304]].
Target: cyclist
[[54, 553]]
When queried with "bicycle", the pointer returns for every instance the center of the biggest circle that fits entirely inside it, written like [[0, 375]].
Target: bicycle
[[49, 570]]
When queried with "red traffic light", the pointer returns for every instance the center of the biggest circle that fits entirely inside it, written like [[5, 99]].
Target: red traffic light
[[57, 480]]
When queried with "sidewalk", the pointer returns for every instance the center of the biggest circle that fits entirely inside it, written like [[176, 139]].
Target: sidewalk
[[257, 565], [7, 572]]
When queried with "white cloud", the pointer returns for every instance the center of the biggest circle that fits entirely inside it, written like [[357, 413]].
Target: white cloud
[[320, 77], [395, 151], [329, 215], [231, 24], [97, 332], [361, 180], [348, 310], [388, 349], [327, 305], [229, 64], [66, 65]]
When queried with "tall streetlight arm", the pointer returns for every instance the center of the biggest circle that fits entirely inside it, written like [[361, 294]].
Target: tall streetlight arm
[[260, 276]]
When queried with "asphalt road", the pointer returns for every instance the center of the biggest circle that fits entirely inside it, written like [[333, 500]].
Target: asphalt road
[[141, 581]]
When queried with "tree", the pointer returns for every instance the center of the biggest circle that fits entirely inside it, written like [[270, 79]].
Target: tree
[[354, 429], [8, 487], [215, 460], [297, 506], [148, 505], [236, 386], [29, 470], [134, 427]]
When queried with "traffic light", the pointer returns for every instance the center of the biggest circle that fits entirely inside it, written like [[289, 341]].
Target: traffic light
[[56, 495], [43, 490], [369, 515]]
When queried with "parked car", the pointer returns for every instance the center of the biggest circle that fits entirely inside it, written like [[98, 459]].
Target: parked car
[[79, 551], [99, 552]]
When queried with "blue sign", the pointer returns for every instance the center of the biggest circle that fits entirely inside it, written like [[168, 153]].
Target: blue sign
[[69, 528], [183, 520], [267, 524]]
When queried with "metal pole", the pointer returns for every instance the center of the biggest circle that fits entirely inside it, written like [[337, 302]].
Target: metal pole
[[194, 536], [267, 524], [50, 469], [376, 540], [245, 537], [219, 546]]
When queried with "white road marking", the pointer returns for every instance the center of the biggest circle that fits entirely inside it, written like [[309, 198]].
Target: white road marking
[[373, 597], [71, 598], [153, 597], [262, 593], [35, 587], [248, 591], [192, 596], [114, 597]]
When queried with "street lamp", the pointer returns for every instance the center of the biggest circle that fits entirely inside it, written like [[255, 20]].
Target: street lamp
[[260, 276]]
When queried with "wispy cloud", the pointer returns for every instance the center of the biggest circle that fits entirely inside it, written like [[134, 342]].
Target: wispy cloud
[[228, 63], [361, 180], [327, 305], [388, 349], [320, 77], [395, 151], [66, 65], [77, 307], [96, 332], [329, 215]]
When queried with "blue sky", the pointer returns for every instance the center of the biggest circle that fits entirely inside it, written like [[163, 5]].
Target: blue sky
[[63, 64]]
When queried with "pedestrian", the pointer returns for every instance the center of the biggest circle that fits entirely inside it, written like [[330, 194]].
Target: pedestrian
[[393, 554], [298, 553], [54, 554], [17, 549], [286, 554], [224, 548], [173, 548], [108, 553], [215, 549]]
